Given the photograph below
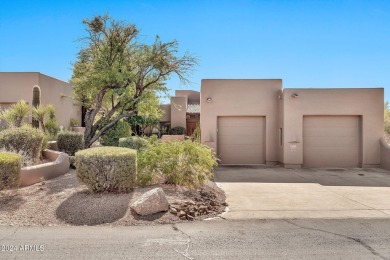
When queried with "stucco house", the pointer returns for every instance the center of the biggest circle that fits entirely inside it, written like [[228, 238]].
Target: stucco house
[[249, 121], [15, 86], [256, 121], [184, 110]]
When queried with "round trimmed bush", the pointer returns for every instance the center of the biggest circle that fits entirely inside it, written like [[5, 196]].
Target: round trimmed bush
[[10, 167], [26, 141], [133, 142], [106, 168], [70, 142]]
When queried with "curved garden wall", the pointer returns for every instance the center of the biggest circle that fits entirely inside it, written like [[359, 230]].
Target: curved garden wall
[[58, 165]]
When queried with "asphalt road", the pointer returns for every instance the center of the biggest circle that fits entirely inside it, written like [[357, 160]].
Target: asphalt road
[[215, 239]]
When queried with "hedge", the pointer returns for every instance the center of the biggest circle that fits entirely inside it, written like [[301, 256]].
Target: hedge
[[10, 167], [106, 168], [26, 141], [70, 142], [185, 163], [133, 142]]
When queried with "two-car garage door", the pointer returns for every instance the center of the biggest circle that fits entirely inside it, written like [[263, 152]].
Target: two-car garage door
[[328, 141], [241, 139], [331, 141]]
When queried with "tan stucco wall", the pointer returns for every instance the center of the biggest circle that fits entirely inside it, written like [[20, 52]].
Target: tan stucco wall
[[385, 155], [241, 97], [59, 93], [281, 132], [58, 166], [193, 97], [166, 108], [15, 86], [178, 111], [367, 103]]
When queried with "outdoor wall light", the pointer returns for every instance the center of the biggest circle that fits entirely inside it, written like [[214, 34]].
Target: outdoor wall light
[[295, 95], [209, 100]]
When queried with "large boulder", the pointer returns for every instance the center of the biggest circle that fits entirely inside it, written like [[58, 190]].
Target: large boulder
[[151, 202]]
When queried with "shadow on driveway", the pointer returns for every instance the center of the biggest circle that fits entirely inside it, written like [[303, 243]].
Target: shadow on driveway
[[372, 177]]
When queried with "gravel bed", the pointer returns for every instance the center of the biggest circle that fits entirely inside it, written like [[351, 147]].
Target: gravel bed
[[64, 202]]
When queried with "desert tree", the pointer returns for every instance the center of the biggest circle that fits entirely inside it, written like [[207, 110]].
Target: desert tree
[[114, 67]]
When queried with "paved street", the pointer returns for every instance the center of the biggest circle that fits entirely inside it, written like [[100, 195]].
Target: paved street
[[262, 192], [215, 239]]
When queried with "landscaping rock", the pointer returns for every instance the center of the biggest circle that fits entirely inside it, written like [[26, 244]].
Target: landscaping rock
[[205, 203], [151, 202], [173, 211]]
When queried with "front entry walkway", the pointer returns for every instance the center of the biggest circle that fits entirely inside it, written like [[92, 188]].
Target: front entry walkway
[[262, 192]]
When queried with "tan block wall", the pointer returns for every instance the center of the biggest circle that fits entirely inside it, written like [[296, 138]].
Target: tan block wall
[[367, 103], [241, 98]]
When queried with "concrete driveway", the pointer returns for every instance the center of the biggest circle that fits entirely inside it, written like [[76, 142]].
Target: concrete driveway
[[262, 192]]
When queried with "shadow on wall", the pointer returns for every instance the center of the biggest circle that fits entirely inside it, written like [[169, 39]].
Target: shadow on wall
[[385, 154], [86, 208]]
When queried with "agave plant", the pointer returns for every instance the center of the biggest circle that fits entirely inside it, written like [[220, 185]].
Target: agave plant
[[15, 114], [39, 113]]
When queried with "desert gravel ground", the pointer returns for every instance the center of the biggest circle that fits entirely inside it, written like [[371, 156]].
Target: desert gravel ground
[[64, 202]]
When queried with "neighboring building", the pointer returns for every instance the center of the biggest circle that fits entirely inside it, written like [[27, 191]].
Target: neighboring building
[[257, 122], [15, 86], [183, 111]]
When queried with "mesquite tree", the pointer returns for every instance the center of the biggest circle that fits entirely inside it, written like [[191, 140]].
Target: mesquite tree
[[114, 68]]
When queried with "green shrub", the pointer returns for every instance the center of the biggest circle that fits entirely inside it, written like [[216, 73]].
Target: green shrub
[[51, 123], [72, 161], [10, 166], [74, 122], [178, 130], [107, 168], [15, 115], [119, 130], [70, 142], [133, 142], [26, 141], [183, 163], [196, 134]]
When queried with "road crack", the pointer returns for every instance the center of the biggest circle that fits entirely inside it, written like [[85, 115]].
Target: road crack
[[357, 240], [185, 253]]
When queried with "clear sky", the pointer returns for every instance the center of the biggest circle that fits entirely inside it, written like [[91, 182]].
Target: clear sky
[[308, 44]]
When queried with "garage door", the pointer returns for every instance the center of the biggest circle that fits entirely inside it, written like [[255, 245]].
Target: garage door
[[241, 140], [331, 141]]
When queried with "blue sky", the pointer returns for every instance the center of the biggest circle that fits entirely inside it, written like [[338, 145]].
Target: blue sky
[[308, 44]]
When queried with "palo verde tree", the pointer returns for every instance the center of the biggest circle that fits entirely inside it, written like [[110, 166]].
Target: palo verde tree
[[113, 67]]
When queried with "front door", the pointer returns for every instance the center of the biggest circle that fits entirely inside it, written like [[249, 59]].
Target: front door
[[190, 128]]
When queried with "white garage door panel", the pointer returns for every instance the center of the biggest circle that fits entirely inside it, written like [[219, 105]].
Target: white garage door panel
[[241, 140], [331, 141]]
